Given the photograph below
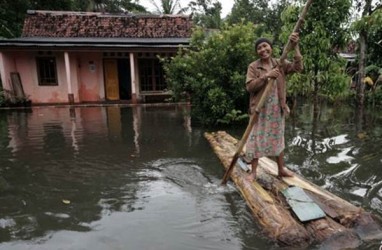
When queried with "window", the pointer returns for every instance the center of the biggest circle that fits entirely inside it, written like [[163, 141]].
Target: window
[[151, 75], [47, 72]]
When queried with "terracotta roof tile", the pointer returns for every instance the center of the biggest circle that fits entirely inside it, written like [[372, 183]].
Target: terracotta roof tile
[[92, 24]]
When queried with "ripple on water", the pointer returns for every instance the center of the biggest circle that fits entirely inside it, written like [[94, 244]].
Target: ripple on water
[[7, 222], [185, 173], [58, 215], [176, 197]]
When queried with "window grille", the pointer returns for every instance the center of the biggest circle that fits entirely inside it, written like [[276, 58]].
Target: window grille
[[47, 71]]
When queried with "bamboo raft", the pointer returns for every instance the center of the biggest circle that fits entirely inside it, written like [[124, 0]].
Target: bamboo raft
[[344, 225]]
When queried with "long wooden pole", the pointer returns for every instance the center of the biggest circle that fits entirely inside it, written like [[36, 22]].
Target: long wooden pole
[[265, 94]]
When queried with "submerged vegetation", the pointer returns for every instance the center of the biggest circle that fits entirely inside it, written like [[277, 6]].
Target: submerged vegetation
[[8, 99]]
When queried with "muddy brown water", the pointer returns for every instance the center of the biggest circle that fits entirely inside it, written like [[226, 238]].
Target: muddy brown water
[[145, 178]]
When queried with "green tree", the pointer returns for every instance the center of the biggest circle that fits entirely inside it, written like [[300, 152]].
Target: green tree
[[374, 45], [265, 14], [367, 27], [12, 13], [51, 5], [321, 36], [168, 7], [207, 13], [110, 6], [132, 6], [245, 11], [212, 73]]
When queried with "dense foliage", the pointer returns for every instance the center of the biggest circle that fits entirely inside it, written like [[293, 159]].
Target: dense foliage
[[212, 73], [206, 13], [263, 13], [321, 36], [12, 14], [372, 24], [168, 7], [7, 99], [366, 27]]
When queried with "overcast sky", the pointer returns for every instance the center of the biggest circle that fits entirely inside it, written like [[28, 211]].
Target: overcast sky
[[226, 4]]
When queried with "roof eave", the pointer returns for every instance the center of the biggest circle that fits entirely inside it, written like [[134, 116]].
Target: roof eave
[[94, 43]]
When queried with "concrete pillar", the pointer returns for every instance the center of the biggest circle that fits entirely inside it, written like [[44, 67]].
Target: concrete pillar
[[133, 79], [68, 78], [2, 71]]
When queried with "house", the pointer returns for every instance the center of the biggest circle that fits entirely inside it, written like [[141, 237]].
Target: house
[[85, 57]]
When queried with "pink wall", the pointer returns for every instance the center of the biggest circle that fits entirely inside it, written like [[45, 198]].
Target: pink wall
[[85, 69], [7, 66], [90, 77], [25, 64]]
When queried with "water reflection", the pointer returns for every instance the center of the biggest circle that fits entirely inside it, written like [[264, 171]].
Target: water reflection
[[339, 150], [111, 177], [143, 178]]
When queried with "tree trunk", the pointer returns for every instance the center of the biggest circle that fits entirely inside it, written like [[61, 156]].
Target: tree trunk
[[361, 68], [362, 56]]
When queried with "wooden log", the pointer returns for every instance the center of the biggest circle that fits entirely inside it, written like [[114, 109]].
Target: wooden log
[[320, 230], [343, 227], [364, 223], [276, 221]]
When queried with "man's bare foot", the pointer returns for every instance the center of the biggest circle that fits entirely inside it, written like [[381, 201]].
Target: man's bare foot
[[284, 172], [251, 177]]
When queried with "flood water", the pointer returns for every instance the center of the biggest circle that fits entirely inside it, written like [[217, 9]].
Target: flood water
[[144, 178]]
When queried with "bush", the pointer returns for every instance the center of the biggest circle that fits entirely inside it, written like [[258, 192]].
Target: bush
[[212, 73], [7, 99]]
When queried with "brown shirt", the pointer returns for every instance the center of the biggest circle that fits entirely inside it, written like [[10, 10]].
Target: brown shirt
[[256, 80]]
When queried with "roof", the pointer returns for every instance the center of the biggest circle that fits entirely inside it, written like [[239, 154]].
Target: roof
[[95, 24], [58, 29]]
